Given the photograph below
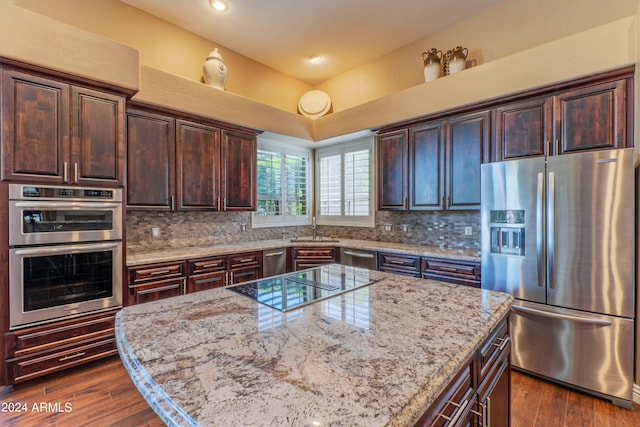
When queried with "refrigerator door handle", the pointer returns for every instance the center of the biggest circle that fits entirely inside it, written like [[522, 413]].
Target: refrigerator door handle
[[597, 322], [540, 230], [551, 236]]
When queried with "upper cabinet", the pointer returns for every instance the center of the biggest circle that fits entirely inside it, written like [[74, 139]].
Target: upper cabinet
[[151, 143], [178, 164], [595, 115], [54, 132], [198, 166], [239, 154], [435, 165]]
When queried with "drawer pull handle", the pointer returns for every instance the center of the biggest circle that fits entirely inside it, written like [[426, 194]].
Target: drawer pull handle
[[213, 264], [163, 288], [157, 273], [449, 269], [461, 407], [72, 356], [501, 343], [398, 262], [246, 260]]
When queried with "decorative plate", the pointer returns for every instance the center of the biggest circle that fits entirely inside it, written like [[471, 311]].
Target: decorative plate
[[314, 104]]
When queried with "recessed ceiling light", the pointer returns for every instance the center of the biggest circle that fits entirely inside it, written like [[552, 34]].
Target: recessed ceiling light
[[314, 58], [219, 5]]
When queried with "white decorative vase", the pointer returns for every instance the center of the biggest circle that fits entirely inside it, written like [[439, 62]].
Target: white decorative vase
[[215, 70]]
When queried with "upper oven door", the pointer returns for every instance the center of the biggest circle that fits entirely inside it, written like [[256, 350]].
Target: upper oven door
[[34, 222]]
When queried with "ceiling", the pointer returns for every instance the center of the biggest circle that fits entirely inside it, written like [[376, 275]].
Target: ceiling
[[283, 33]]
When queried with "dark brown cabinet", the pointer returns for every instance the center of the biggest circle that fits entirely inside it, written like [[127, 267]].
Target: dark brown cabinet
[[452, 271], [406, 265], [54, 132], [433, 166], [480, 394], [41, 350], [593, 116], [313, 256], [392, 170], [223, 270], [177, 164], [150, 161], [197, 166], [156, 281], [239, 153]]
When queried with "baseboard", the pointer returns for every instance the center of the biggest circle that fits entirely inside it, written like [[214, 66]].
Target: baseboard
[[636, 393]]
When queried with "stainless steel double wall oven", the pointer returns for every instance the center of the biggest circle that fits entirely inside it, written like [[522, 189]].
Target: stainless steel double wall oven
[[65, 252]]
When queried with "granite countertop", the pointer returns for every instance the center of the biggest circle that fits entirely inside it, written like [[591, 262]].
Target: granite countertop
[[150, 257], [376, 356]]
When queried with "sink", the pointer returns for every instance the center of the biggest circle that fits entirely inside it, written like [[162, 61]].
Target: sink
[[317, 240]]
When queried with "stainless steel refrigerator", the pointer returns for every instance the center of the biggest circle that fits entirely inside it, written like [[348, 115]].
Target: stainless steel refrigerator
[[558, 234]]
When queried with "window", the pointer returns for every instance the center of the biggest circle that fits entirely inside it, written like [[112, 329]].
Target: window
[[283, 186], [344, 184]]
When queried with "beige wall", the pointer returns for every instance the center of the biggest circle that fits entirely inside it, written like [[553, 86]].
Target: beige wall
[[169, 48], [505, 29]]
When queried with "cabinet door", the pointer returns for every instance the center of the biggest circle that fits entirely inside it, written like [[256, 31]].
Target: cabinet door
[[594, 117], [426, 167], [97, 140], [239, 152], [197, 162], [150, 161], [467, 148], [392, 170], [35, 127], [522, 129]]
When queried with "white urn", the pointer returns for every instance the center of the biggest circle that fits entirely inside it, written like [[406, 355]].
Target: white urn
[[215, 70]]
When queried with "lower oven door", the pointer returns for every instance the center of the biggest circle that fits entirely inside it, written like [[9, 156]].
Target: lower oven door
[[53, 282]]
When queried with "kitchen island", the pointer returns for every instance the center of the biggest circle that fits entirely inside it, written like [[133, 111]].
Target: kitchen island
[[382, 354]]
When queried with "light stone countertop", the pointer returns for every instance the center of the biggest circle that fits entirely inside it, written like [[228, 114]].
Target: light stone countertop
[[150, 257], [376, 356]]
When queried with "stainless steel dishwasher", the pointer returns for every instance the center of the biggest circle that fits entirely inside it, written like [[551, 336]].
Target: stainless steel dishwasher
[[359, 258], [274, 262]]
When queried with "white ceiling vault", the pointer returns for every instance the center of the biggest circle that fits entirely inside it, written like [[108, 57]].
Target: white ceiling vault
[[283, 33]]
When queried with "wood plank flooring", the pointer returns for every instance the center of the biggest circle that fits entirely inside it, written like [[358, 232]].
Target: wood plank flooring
[[101, 394]]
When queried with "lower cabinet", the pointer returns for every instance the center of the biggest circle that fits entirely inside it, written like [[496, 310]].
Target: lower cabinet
[[480, 394], [451, 271], [406, 265], [152, 282], [41, 350], [313, 256], [156, 281]]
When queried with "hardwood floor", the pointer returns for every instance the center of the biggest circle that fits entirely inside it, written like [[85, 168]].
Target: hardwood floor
[[101, 394]]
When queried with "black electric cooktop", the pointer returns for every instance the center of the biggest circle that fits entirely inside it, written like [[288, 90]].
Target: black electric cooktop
[[293, 290]]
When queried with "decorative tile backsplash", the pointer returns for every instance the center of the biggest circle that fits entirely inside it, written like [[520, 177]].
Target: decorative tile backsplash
[[186, 229]]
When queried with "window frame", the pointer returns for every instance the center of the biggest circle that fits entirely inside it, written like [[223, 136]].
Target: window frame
[[284, 220], [346, 220]]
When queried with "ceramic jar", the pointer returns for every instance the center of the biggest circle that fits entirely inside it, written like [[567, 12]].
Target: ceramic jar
[[457, 60], [431, 61], [215, 70]]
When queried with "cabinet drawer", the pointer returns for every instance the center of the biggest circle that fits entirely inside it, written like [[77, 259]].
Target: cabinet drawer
[[150, 272], [459, 272], [399, 263], [315, 253], [455, 402], [42, 339], [207, 265], [493, 348], [202, 282], [26, 368], [153, 291], [245, 259]]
